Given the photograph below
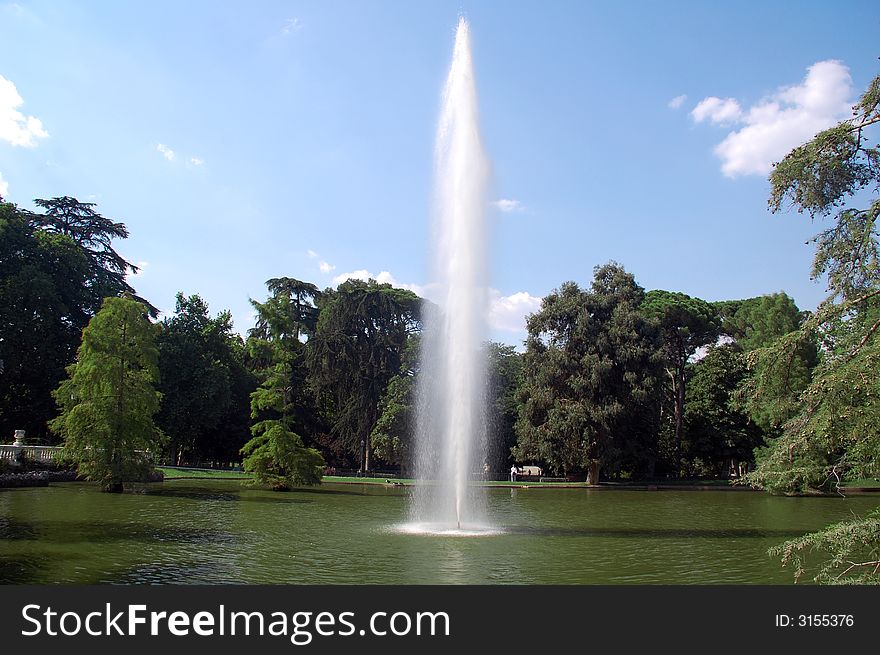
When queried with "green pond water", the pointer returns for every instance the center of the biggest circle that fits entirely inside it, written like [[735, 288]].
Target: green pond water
[[197, 532]]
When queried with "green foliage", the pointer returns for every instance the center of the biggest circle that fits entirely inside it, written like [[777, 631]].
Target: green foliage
[[778, 376], [819, 175], [55, 270], [505, 374], [718, 435], [758, 322], [392, 435], [820, 178], [276, 352], [836, 431], [685, 324], [276, 454], [42, 301], [94, 235], [205, 387], [590, 375], [358, 347], [851, 550], [277, 457], [108, 402], [289, 313]]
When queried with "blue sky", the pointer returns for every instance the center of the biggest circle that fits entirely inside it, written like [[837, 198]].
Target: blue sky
[[243, 141]]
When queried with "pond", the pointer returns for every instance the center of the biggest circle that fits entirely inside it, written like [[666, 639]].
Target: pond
[[205, 532]]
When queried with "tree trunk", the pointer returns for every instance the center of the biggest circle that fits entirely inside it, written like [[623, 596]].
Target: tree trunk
[[593, 472], [679, 413]]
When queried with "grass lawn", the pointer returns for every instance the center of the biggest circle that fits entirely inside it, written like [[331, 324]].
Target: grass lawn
[[192, 473], [177, 473], [487, 483], [207, 474], [862, 482]]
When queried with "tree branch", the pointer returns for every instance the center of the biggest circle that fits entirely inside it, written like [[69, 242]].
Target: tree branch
[[864, 340]]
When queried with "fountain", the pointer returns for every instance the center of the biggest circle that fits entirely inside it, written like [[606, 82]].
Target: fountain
[[450, 443]]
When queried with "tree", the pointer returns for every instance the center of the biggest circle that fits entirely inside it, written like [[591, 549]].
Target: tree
[[757, 323], [719, 436], [282, 405], [290, 312], [357, 349], [55, 271], [42, 300], [276, 347], [589, 370], [505, 373], [391, 437], [686, 324], [94, 235], [277, 457], [108, 402], [205, 387], [836, 432]]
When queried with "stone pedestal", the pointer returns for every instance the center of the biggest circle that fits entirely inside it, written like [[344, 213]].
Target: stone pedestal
[[19, 438]]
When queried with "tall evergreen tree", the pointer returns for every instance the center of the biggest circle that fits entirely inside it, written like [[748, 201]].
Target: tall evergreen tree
[[357, 349], [94, 234], [283, 405]]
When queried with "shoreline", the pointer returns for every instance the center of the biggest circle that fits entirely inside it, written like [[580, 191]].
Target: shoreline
[[44, 478]]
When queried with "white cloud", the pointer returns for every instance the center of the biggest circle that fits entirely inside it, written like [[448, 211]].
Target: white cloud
[[167, 152], [196, 161], [508, 313], [291, 25], [142, 266], [508, 205], [4, 186], [312, 254], [702, 351], [717, 111], [361, 274], [16, 128], [775, 125], [676, 102], [325, 267], [384, 277]]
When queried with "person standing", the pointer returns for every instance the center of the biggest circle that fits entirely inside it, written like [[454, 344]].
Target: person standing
[[513, 473]]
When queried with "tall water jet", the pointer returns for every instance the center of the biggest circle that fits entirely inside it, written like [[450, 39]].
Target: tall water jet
[[450, 448]]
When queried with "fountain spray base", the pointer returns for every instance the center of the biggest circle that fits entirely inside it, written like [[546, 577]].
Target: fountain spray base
[[460, 529]]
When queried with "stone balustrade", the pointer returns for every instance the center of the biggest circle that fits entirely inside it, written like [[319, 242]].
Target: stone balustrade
[[11, 452], [36, 453]]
